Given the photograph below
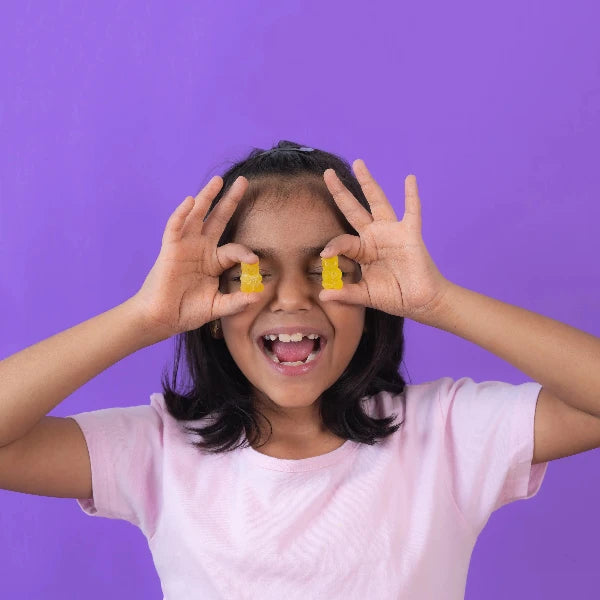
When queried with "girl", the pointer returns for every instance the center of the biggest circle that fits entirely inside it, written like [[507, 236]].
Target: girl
[[297, 461]]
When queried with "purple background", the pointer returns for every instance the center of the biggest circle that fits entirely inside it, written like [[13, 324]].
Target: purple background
[[111, 113]]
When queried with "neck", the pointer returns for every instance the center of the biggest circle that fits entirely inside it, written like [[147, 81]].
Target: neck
[[295, 428]]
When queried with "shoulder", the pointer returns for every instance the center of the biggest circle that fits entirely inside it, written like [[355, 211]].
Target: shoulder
[[428, 401], [482, 397], [157, 402], [416, 398], [178, 436]]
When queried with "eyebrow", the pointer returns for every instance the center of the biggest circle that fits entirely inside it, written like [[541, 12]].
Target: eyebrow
[[272, 252]]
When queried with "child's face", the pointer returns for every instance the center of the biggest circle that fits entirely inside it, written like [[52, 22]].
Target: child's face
[[291, 297]]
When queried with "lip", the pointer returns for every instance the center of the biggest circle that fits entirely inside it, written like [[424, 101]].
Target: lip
[[288, 369], [303, 329]]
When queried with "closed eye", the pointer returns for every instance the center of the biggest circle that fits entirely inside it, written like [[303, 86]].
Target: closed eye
[[319, 273], [239, 278]]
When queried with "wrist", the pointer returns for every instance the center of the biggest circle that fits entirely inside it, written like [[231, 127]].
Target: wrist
[[149, 330], [440, 311]]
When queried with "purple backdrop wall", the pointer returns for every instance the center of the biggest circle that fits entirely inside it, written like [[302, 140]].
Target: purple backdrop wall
[[111, 113]]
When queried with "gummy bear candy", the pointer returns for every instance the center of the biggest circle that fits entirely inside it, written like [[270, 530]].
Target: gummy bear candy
[[331, 275], [251, 280]]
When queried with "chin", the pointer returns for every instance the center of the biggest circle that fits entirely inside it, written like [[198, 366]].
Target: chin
[[291, 399]]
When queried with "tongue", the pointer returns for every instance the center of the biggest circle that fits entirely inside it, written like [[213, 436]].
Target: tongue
[[293, 351]]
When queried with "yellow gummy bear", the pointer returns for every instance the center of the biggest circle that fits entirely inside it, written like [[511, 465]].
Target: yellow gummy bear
[[251, 280], [331, 275]]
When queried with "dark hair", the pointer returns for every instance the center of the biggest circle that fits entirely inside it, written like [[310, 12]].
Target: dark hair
[[221, 392]]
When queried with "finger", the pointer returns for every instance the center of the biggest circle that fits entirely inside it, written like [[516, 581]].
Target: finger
[[229, 304], [223, 305], [174, 227], [231, 254], [358, 216], [381, 209], [218, 218], [351, 293], [346, 244], [412, 203], [202, 201]]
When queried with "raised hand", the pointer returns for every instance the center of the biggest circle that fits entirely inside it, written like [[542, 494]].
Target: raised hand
[[181, 291], [398, 274]]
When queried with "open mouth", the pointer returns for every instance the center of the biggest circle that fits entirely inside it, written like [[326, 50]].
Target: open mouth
[[266, 346]]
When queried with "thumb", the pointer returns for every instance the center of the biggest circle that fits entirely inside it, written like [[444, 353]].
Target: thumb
[[230, 304], [350, 293]]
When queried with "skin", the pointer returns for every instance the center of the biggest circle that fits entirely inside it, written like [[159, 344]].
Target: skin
[[291, 296]]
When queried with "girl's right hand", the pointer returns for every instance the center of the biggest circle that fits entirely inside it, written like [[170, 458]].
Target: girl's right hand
[[181, 291]]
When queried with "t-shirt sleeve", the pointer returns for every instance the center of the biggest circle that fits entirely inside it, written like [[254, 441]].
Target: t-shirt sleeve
[[488, 441], [125, 450]]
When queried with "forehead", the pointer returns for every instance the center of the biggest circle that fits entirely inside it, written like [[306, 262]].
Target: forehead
[[301, 220]]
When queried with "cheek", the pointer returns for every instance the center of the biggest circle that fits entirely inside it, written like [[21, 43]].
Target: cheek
[[349, 321], [235, 326]]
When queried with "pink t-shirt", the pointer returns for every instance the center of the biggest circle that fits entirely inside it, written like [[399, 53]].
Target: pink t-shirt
[[395, 520]]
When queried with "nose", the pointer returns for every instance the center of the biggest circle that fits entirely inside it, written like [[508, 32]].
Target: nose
[[293, 291]]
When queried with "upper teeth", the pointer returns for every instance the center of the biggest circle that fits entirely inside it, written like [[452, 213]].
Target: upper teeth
[[294, 337]]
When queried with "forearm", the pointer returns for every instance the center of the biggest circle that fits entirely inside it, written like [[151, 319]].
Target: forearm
[[38, 378], [565, 360]]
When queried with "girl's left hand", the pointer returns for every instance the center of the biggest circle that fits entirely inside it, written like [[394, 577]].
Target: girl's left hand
[[398, 275]]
